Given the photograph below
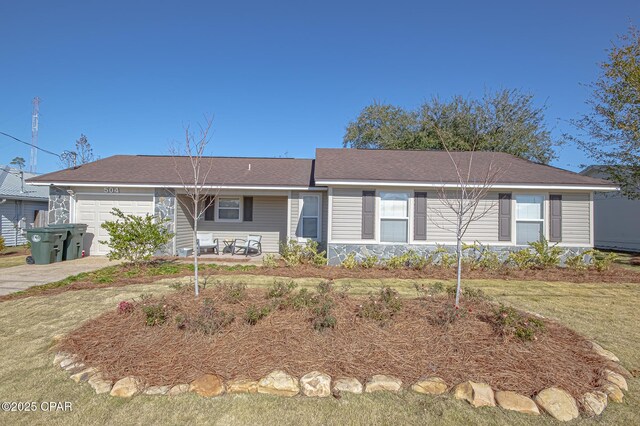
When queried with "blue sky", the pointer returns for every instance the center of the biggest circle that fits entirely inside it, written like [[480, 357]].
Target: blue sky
[[281, 78]]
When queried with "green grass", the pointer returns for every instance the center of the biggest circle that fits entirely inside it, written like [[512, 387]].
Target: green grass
[[609, 313]]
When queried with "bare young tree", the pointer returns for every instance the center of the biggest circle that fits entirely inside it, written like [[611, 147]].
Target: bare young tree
[[193, 168], [83, 154], [463, 198]]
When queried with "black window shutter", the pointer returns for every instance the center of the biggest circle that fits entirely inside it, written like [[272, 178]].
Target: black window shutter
[[368, 215], [504, 217], [555, 229], [247, 211], [420, 216], [210, 210]]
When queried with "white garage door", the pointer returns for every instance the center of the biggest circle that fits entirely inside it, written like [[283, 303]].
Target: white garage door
[[95, 209]]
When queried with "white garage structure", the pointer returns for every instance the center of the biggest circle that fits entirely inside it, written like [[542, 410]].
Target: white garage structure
[[94, 208]]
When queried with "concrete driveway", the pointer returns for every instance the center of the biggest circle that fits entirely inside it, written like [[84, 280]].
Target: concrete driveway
[[21, 277]]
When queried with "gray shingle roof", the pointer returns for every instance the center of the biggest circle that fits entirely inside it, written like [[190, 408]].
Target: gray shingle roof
[[11, 185]]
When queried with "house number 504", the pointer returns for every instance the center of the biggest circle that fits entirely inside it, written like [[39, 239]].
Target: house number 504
[[111, 190]]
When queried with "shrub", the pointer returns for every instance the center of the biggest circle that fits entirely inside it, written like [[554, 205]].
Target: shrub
[[255, 314], [323, 319], [233, 292], [280, 289], [303, 299], [395, 262], [468, 293], [546, 256], [381, 308], [125, 307], [325, 287], [270, 261], [294, 253], [135, 238], [441, 257], [602, 261], [350, 261], [2, 244], [511, 323], [155, 314], [521, 259], [481, 256], [578, 261], [450, 314], [369, 261], [209, 320]]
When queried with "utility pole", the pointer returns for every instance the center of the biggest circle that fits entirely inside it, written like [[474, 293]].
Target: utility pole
[[33, 162]]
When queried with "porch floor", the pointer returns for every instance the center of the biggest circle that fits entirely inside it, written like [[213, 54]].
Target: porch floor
[[254, 259]]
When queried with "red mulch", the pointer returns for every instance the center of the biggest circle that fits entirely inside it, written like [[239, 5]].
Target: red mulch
[[411, 346]]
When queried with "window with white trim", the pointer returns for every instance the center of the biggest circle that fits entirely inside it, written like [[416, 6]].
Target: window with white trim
[[310, 216], [394, 217], [529, 218], [228, 209]]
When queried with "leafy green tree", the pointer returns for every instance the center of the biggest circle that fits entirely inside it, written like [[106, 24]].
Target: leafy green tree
[[505, 121], [612, 125], [19, 162], [135, 238]]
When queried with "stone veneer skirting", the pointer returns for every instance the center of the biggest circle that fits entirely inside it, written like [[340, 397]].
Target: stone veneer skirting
[[336, 253], [59, 206]]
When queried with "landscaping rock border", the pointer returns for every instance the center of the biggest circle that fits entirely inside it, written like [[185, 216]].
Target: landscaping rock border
[[554, 401]]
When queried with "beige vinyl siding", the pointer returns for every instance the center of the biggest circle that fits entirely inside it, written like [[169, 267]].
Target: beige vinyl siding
[[269, 220], [576, 219], [295, 213], [439, 218], [346, 219], [184, 224]]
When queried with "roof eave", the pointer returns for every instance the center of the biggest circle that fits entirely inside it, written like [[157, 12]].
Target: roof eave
[[178, 186], [559, 186]]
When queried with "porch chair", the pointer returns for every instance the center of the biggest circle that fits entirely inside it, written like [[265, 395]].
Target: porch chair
[[206, 241], [252, 243]]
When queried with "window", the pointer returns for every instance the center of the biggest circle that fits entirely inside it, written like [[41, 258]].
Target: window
[[529, 218], [228, 209], [394, 217], [310, 216], [209, 208]]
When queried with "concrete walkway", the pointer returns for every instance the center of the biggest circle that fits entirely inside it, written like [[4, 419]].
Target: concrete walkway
[[22, 277]]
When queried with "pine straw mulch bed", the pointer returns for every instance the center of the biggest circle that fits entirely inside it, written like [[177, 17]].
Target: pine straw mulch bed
[[413, 344]]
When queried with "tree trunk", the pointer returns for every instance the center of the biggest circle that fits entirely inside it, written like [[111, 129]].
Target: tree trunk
[[196, 250], [459, 257]]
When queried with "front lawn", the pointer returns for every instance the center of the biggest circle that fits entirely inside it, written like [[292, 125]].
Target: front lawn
[[13, 256], [608, 313]]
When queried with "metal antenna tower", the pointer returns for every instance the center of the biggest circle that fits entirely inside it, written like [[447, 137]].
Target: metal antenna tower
[[33, 162]]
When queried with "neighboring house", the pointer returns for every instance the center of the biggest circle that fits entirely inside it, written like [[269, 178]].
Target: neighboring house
[[21, 205], [363, 201], [616, 217]]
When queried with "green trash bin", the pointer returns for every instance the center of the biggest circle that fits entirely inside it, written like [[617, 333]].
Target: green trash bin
[[74, 243], [47, 245]]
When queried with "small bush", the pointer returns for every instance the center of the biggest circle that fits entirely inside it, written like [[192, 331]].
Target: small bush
[[602, 261], [521, 259], [325, 287], [450, 314], [209, 320], [135, 238], [481, 256], [125, 307], [255, 314], [294, 253], [155, 314], [381, 308], [270, 261], [322, 315], [511, 323], [2, 244], [441, 257], [546, 256], [350, 261], [301, 300], [280, 289], [395, 262], [370, 261], [233, 292], [578, 261]]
